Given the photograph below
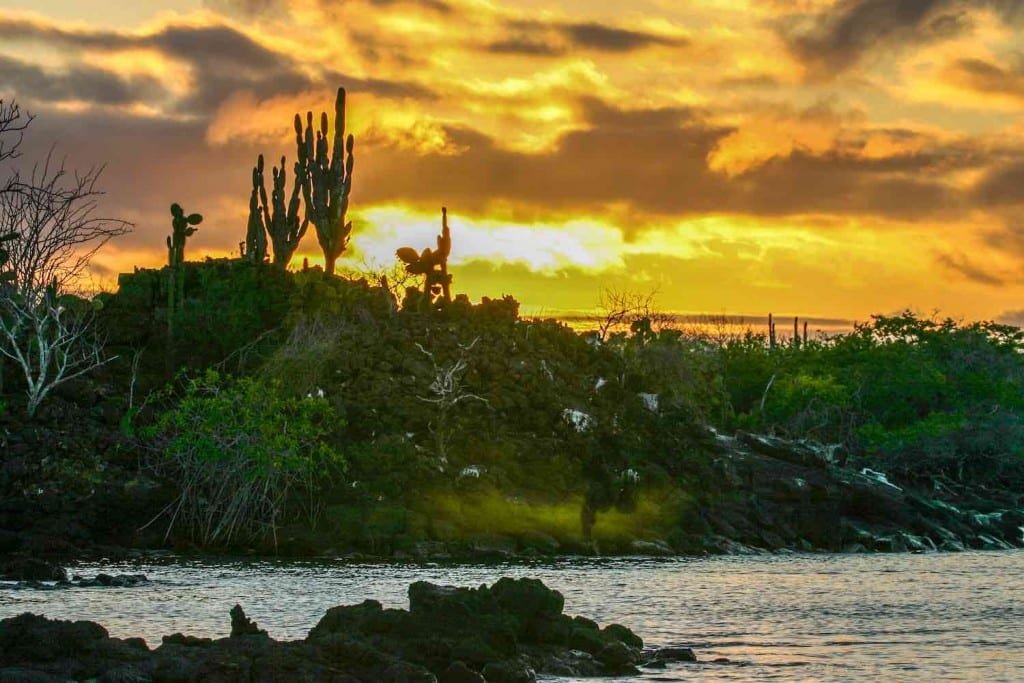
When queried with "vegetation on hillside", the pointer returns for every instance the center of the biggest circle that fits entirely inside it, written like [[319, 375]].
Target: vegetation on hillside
[[279, 400]]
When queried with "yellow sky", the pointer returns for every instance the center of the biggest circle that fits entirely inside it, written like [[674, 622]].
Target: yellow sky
[[828, 158]]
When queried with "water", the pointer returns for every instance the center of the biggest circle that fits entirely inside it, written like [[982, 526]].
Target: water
[[796, 617]]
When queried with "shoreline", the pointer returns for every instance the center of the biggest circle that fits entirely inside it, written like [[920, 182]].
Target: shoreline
[[504, 633]]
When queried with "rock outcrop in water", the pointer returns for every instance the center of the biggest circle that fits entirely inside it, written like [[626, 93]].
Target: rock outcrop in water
[[505, 633]]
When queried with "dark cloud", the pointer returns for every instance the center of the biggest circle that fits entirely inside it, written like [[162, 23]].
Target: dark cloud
[[435, 5], [838, 37], [531, 47], [655, 161], [223, 60], [81, 83], [960, 264], [245, 8], [251, 8], [536, 38], [1002, 186], [987, 77], [612, 39]]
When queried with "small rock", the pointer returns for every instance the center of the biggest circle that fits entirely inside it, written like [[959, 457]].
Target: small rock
[[242, 625], [675, 654]]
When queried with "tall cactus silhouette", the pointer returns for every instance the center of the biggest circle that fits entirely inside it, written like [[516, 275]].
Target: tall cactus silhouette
[[431, 263], [282, 222], [255, 245], [326, 172]]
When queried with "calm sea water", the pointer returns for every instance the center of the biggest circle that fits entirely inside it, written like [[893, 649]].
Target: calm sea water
[[797, 617]]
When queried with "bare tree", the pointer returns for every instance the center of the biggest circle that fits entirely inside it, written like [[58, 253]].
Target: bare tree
[[619, 309], [50, 218], [394, 277], [446, 392]]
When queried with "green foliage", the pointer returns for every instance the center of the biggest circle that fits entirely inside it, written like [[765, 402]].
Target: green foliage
[[915, 398], [920, 397], [229, 309], [247, 457]]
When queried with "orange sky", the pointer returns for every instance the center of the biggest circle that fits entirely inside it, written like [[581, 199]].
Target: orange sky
[[828, 158]]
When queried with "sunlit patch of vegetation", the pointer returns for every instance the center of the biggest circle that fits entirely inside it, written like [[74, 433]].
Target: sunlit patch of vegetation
[[459, 516]]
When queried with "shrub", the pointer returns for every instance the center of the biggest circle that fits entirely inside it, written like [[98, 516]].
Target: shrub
[[245, 456]]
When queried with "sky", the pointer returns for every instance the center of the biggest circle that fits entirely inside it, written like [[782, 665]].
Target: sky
[[823, 158]]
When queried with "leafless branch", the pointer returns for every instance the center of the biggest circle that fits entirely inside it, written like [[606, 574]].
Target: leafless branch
[[446, 392], [51, 233], [13, 123], [618, 309]]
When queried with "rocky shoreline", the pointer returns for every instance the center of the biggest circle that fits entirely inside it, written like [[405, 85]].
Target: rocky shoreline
[[749, 493], [505, 633]]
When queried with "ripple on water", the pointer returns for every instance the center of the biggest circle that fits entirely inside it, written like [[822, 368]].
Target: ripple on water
[[793, 617]]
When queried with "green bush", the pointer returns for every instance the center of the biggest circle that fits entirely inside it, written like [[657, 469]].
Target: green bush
[[246, 458]]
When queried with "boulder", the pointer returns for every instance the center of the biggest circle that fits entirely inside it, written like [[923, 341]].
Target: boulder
[[509, 671]]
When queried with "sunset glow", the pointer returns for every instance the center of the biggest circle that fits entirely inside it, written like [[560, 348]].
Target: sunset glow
[[831, 158]]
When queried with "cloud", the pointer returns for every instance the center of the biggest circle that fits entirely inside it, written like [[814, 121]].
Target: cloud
[[77, 83], [960, 264], [987, 77], [654, 161], [1002, 186], [547, 39], [222, 61], [838, 37]]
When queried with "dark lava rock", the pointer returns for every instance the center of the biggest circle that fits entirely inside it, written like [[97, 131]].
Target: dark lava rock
[[618, 658], [500, 634], [675, 654], [108, 581], [624, 635], [242, 625], [510, 671]]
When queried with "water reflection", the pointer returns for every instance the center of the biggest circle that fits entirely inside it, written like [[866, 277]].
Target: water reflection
[[803, 617]]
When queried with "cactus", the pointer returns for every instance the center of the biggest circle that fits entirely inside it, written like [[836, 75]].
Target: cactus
[[326, 180], [254, 248], [182, 227], [274, 218], [771, 332], [6, 275], [432, 264]]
